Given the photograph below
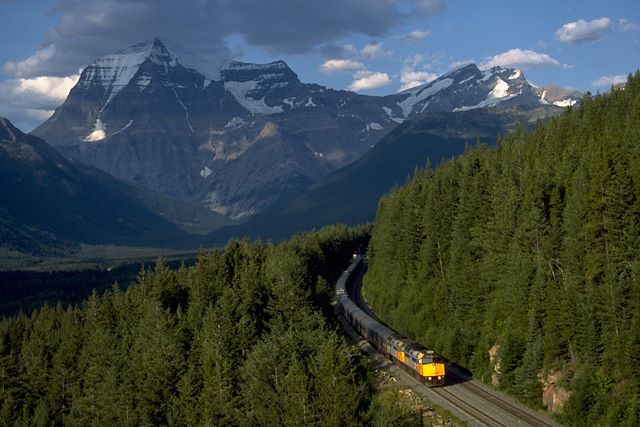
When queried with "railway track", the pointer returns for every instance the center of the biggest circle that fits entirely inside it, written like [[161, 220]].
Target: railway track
[[473, 412], [467, 398]]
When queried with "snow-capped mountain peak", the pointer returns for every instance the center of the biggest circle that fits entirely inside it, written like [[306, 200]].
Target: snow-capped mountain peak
[[117, 69], [276, 65], [274, 74], [560, 97], [152, 49], [255, 85], [110, 74], [146, 67], [466, 88]]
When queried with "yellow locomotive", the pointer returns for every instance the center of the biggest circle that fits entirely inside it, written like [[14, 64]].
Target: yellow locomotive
[[420, 362]]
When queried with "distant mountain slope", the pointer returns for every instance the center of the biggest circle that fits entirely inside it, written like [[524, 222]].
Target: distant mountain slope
[[49, 204], [141, 116], [351, 194], [558, 96]]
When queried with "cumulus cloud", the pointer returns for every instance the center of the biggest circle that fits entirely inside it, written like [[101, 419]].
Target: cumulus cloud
[[414, 60], [460, 63], [609, 80], [418, 35], [350, 56], [203, 33], [520, 58], [371, 50], [264, 24], [28, 102], [365, 80], [412, 78], [198, 30], [625, 25], [88, 29], [582, 31], [35, 61], [54, 88], [340, 65]]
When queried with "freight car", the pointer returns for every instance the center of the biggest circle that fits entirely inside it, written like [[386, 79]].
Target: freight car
[[424, 364]]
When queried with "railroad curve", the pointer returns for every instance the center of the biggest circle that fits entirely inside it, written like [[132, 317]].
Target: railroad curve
[[467, 398]]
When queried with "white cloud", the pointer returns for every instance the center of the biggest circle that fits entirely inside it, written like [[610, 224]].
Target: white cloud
[[34, 62], [371, 50], [349, 48], [56, 88], [456, 64], [411, 78], [520, 58], [610, 80], [418, 35], [28, 102], [202, 33], [625, 25], [413, 61], [365, 80], [346, 57], [339, 65], [582, 31]]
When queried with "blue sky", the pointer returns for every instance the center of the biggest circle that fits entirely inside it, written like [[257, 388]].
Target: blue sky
[[371, 46]]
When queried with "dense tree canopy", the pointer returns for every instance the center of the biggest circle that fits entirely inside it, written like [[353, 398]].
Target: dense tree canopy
[[238, 339], [532, 250]]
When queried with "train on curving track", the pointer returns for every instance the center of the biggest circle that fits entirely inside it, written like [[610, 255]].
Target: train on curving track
[[424, 364]]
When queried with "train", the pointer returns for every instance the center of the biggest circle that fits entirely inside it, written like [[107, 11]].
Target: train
[[424, 364]]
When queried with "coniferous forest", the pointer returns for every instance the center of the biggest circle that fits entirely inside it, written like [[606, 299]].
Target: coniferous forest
[[520, 262], [528, 252], [238, 339]]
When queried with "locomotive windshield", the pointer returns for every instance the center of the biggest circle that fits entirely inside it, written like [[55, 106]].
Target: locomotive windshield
[[431, 359]]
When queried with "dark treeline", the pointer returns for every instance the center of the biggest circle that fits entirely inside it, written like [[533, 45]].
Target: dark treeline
[[27, 290], [529, 251], [237, 339]]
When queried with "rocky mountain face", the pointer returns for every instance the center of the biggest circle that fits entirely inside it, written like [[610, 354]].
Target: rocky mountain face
[[50, 203], [143, 117], [469, 88], [351, 194], [250, 140], [558, 96]]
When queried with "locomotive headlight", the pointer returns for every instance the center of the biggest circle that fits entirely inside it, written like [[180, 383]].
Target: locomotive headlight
[[429, 378]]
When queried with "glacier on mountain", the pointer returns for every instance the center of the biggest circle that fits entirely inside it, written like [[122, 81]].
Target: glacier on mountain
[[389, 112], [240, 90], [500, 90], [124, 128], [565, 102], [98, 133], [205, 172], [421, 94], [115, 71], [235, 122]]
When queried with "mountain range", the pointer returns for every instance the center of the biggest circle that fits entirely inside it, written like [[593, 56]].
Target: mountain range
[[253, 139], [146, 152], [51, 204], [350, 195]]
